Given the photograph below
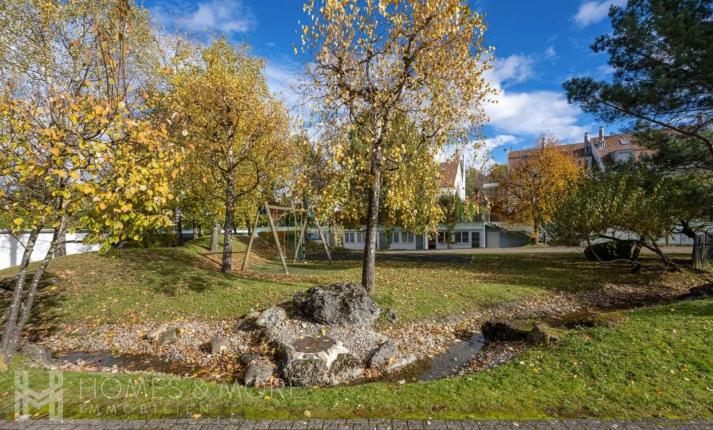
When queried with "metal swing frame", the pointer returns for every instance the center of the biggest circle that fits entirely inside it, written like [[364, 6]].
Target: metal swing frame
[[286, 211]]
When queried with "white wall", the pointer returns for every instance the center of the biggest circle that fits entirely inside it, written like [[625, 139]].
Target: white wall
[[11, 250]]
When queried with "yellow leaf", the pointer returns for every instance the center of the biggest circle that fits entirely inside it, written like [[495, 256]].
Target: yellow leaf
[[18, 221], [54, 151]]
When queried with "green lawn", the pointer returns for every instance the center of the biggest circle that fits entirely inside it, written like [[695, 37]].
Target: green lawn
[[657, 364], [171, 283]]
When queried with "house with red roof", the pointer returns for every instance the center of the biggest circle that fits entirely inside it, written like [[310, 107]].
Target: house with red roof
[[593, 152]]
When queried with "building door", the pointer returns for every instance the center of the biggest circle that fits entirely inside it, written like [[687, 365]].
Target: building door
[[493, 239], [419, 241], [431, 241], [475, 239]]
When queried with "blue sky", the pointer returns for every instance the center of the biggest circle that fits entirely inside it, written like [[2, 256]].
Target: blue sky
[[539, 44]]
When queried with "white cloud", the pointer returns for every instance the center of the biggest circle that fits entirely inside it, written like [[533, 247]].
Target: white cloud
[[529, 113], [511, 70], [281, 79], [593, 11], [533, 113], [214, 16], [478, 153], [284, 78]]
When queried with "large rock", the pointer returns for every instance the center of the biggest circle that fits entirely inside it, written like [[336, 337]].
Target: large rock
[[400, 362], [385, 354], [338, 304], [270, 318], [314, 361], [219, 344], [40, 354], [310, 372], [163, 335], [532, 332], [542, 334], [700, 292], [258, 373], [345, 368], [508, 331]]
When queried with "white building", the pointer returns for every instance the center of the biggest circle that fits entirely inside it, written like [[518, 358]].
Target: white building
[[13, 246], [475, 234]]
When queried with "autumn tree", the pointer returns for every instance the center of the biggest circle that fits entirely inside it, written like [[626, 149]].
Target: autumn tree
[[313, 176], [621, 203], [235, 132], [535, 187], [409, 188], [77, 144], [378, 60]]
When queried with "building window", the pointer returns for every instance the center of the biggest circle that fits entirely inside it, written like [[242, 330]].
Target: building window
[[395, 237], [475, 239], [354, 237], [407, 237], [442, 237], [623, 156], [461, 237]]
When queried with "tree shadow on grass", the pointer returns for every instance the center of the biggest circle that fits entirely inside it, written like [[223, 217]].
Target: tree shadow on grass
[[168, 270], [46, 309], [566, 272]]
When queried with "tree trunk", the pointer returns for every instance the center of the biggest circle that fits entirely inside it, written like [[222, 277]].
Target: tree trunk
[[62, 245], [368, 273], [227, 265], [11, 321], [536, 232], [637, 251], [36, 278], [214, 236], [697, 254], [178, 226]]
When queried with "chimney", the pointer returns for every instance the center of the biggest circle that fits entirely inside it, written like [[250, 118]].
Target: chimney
[[601, 137], [587, 150]]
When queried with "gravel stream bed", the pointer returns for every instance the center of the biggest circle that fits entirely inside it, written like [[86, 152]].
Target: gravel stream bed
[[424, 339]]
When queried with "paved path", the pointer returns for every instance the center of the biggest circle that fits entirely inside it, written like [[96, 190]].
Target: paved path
[[237, 424]]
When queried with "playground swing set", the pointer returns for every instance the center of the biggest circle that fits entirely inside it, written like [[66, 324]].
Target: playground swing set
[[300, 221]]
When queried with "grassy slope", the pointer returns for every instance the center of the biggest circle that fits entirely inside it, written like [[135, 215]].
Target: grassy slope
[[657, 364], [173, 283]]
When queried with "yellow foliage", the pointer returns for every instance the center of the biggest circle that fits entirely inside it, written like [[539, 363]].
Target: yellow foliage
[[535, 186]]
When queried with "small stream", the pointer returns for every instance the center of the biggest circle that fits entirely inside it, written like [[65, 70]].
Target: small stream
[[455, 358], [104, 360], [441, 366], [449, 363]]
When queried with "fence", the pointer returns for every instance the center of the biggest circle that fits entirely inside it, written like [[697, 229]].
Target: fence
[[13, 246]]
